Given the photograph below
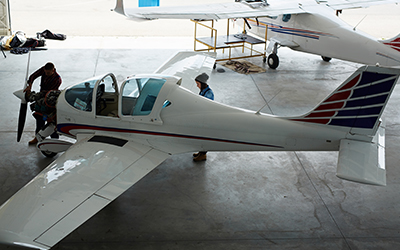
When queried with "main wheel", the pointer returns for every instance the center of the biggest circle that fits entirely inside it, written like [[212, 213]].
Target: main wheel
[[48, 154], [326, 59], [273, 61]]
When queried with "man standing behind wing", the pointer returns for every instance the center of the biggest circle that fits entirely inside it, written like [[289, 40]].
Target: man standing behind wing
[[205, 90]]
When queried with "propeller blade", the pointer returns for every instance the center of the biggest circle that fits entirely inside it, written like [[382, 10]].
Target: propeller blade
[[24, 105], [21, 119]]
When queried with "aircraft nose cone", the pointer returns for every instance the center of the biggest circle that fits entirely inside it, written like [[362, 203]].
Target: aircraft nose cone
[[20, 94]]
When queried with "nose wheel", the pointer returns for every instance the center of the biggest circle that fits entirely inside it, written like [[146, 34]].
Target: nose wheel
[[273, 61], [326, 59]]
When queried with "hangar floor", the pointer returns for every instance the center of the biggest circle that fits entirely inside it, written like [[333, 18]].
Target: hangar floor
[[234, 200]]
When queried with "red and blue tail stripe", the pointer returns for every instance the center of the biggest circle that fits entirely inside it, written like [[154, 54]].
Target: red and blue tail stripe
[[357, 103], [394, 43]]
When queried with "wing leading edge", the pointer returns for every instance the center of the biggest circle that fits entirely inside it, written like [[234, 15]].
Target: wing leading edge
[[77, 185], [211, 11], [241, 9], [188, 65]]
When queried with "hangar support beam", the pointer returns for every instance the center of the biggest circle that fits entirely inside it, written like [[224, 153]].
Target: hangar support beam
[[5, 19]]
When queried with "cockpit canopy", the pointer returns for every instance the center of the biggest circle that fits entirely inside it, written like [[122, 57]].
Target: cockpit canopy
[[140, 94], [137, 96], [80, 96]]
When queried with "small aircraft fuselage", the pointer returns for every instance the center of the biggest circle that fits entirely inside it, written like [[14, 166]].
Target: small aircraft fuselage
[[322, 33], [158, 112]]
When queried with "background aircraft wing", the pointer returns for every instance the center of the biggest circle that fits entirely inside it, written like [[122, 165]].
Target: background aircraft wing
[[188, 65], [241, 9], [77, 185], [212, 11], [351, 4]]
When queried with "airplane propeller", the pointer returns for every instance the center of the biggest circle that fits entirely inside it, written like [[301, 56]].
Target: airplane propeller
[[24, 104]]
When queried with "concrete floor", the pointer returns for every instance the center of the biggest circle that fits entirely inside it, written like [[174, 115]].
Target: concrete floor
[[234, 200]]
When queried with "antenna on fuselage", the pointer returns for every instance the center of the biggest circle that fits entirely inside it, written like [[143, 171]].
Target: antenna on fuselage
[[258, 111], [359, 22]]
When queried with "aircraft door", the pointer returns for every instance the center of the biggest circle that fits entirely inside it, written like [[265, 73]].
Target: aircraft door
[[107, 96], [138, 95]]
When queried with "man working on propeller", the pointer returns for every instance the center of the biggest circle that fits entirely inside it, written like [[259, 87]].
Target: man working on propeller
[[50, 80]]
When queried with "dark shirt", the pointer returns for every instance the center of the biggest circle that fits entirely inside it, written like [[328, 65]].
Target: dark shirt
[[47, 83]]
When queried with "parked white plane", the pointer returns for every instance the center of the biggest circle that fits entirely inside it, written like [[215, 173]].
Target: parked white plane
[[309, 26], [123, 132]]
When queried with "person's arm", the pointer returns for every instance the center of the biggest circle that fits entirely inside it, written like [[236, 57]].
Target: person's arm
[[33, 77]]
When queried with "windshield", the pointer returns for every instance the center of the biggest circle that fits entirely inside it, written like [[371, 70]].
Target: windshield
[[80, 95], [139, 95]]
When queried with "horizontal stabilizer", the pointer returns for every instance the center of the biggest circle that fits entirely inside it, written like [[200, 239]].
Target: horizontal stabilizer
[[362, 161]]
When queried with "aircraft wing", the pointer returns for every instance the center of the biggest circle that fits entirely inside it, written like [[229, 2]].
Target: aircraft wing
[[188, 65], [241, 9], [212, 11], [82, 181], [351, 4]]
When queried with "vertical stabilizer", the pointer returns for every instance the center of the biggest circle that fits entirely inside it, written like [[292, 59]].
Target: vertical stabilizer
[[358, 103], [393, 43], [119, 7]]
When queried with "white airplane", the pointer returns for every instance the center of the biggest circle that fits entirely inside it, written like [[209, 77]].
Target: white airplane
[[309, 26], [124, 131]]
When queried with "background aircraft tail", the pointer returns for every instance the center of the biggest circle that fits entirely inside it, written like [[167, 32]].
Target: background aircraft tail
[[394, 42], [358, 103]]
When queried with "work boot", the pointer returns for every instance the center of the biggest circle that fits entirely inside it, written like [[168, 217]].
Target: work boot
[[200, 157], [196, 154], [34, 141]]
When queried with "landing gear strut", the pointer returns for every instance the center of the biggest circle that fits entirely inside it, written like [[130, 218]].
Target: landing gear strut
[[273, 59]]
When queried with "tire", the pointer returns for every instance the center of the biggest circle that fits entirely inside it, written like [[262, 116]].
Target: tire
[[326, 59], [273, 61], [48, 154]]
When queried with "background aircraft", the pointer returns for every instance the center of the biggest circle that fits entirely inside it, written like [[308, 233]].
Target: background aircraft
[[307, 26], [124, 131]]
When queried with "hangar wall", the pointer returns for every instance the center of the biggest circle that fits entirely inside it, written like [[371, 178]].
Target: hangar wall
[[5, 20]]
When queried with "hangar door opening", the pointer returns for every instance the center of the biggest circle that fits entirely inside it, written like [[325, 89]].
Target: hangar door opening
[[5, 20]]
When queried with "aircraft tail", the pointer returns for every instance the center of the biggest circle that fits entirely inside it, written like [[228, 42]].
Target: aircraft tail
[[355, 107], [358, 103], [119, 7], [394, 42], [149, 3]]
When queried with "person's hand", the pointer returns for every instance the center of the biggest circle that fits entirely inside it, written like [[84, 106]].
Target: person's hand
[[28, 88]]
